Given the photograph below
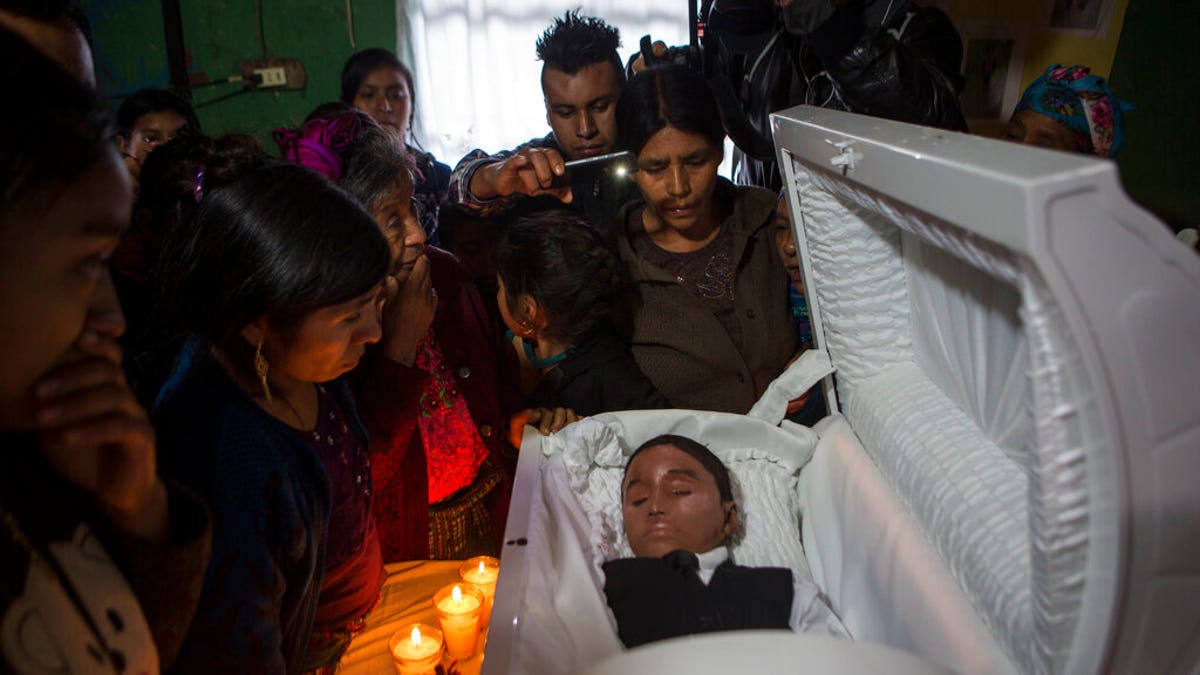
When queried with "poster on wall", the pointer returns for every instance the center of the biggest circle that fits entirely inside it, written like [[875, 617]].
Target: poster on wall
[[993, 59], [1079, 17]]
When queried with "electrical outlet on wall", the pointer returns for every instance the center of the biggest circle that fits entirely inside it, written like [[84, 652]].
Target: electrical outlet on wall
[[281, 74], [271, 77]]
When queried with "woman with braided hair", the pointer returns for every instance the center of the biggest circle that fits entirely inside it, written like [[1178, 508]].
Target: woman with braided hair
[[558, 281]]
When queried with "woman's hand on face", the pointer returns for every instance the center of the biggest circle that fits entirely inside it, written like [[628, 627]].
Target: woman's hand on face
[[407, 313], [98, 437]]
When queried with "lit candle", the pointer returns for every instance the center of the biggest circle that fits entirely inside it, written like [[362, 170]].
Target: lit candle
[[482, 572], [416, 649], [458, 608]]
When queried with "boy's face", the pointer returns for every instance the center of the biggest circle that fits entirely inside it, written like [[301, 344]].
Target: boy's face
[[669, 501], [582, 109]]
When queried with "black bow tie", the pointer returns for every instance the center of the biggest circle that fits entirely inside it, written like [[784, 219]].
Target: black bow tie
[[682, 561]]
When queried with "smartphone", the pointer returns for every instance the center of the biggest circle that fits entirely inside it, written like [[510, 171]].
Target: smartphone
[[584, 171]]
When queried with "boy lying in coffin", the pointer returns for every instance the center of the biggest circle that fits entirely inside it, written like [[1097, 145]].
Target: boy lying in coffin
[[679, 514]]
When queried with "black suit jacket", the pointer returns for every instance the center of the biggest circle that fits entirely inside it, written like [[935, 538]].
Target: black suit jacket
[[652, 600]]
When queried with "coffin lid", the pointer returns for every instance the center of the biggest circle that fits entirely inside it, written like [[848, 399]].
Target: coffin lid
[[1016, 347]]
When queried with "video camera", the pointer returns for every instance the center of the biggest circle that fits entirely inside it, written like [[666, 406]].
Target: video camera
[[718, 30], [689, 56]]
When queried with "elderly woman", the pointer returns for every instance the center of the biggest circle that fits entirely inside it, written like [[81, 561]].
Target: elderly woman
[[1068, 108], [707, 318]]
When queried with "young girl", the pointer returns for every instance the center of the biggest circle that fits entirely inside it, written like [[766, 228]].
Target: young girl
[[97, 553], [558, 280], [277, 279]]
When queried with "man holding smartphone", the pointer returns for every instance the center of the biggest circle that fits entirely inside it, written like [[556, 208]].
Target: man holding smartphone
[[581, 81]]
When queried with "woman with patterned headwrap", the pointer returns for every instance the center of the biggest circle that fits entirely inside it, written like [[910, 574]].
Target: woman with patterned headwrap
[[1068, 108]]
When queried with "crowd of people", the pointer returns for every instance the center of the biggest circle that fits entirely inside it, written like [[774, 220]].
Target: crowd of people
[[238, 381]]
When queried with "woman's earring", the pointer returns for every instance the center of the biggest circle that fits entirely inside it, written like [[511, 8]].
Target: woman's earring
[[260, 368]]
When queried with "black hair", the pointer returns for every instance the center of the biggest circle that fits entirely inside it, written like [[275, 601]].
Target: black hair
[[168, 179], [51, 11], [59, 130], [559, 260], [696, 451], [280, 241], [670, 96], [361, 64], [145, 101], [574, 42]]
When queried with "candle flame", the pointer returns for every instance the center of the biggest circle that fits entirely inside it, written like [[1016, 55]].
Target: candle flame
[[416, 636], [457, 595], [481, 568]]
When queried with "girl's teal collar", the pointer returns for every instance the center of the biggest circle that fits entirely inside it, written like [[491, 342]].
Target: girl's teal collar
[[534, 359]]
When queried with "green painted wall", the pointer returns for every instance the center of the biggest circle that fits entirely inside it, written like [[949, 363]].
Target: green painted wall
[[1156, 68], [218, 34]]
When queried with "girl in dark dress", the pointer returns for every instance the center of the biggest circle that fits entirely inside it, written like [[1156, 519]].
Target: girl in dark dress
[[558, 281]]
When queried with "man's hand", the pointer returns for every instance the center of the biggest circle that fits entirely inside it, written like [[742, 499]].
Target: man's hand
[[98, 437], [531, 172], [407, 312], [659, 49]]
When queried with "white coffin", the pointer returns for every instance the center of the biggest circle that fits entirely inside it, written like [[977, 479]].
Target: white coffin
[[1009, 483]]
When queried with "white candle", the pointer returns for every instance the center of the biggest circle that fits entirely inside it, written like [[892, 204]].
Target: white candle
[[416, 649], [482, 572], [458, 608]]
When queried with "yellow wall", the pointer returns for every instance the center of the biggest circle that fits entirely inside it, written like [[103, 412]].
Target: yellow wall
[[1042, 47]]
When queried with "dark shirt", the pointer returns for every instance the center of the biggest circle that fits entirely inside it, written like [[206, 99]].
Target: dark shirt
[[598, 375], [353, 562], [707, 272], [657, 598], [431, 181], [271, 501]]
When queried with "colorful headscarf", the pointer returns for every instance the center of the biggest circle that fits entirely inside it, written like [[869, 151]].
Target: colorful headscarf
[[319, 144], [1081, 102]]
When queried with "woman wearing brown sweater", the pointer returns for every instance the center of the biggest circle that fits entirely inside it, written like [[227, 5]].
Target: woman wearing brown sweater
[[707, 317]]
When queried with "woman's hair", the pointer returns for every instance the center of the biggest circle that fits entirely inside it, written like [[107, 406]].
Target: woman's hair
[[280, 241], [57, 131], [697, 452], [561, 262], [146, 101], [177, 172], [358, 154], [670, 96]]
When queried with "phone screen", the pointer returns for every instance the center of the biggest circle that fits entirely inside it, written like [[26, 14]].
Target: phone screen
[[584, 171]]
